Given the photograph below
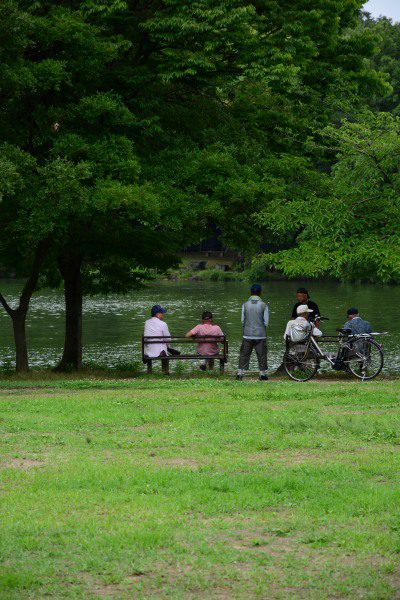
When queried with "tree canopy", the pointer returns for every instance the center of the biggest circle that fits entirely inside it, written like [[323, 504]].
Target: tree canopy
[[130, 129], [350, 225], [326, 219]]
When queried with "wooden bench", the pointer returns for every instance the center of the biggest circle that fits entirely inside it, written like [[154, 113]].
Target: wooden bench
[[177, 340]]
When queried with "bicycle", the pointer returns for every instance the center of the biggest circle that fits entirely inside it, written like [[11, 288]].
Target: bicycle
[[358, 354]]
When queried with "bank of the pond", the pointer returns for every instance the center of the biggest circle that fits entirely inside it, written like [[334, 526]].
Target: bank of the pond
[[113, 325], [221, 275], [126, 377], [153, 488], [227, 267]]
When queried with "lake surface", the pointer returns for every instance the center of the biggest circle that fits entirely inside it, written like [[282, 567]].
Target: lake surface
[[113, 325]]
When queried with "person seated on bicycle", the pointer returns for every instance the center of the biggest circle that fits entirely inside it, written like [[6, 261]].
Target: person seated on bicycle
[[355, 324], [298, 329]]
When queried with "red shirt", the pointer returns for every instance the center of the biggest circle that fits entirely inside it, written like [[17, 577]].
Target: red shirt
[[207, 348]]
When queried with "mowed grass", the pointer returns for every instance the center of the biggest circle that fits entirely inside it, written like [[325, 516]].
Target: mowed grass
[[156, 488]]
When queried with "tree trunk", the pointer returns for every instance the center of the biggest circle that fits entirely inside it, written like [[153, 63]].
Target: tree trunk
[[70, 268], [21, 348], [18, 315]]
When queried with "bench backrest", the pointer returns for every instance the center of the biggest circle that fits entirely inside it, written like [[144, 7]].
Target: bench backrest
[[180, 339]]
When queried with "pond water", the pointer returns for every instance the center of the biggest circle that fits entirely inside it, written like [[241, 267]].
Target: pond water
[[113, 325]]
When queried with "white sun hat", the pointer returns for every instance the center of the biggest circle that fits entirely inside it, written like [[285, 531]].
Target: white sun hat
[[303, 308]]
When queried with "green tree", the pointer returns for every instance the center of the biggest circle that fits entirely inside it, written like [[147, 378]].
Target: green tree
[[352, 233], [69, 174], [236, 89], [25, 242], [150, 122], [387, 61]]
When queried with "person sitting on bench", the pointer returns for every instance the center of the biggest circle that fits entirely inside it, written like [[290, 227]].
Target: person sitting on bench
[[206, 349], [155, 327]]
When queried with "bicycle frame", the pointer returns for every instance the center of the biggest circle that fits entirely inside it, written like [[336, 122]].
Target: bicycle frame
[[302, 359], [322, 354], [343, 343]]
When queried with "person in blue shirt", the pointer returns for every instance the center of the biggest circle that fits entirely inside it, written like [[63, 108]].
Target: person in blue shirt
[[353, 326], [355, 323]]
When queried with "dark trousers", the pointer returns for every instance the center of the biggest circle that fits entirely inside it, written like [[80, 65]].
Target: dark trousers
[[164, 363], [260, 346], [209, 362]]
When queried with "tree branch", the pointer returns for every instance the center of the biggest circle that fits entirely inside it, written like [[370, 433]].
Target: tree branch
[[5, 305], [31, 282], [384, 174]]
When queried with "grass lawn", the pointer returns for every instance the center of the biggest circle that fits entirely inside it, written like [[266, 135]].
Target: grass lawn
[[154, 488]]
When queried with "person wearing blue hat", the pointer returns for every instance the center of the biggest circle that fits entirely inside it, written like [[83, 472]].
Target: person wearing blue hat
[[158, 311], [156, 327], [255, 318], [355, 323]]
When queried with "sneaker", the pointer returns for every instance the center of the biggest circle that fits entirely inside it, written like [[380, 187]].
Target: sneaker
[[263, 378], [203, 367]]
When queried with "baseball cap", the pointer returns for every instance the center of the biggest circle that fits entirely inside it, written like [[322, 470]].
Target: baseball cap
[[157, 309], [352, 311], [303, 308], [256, 289]]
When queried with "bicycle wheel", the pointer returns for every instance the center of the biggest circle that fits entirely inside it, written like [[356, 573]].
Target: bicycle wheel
[[365, 359], [300, 367]]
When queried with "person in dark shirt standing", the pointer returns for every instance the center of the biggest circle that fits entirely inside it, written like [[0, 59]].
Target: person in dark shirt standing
[[303, 297]]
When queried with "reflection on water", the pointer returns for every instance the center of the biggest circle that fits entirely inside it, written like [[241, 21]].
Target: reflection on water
[[113, 325]]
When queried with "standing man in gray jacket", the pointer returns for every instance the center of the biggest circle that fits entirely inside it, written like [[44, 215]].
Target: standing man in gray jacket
[[255, 317]]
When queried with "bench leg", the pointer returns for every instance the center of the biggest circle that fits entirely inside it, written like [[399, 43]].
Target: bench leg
[[149, 367], [165, 366], [221, 367]]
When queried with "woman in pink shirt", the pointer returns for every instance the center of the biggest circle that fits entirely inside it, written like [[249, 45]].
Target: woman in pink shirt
[[206, 348]]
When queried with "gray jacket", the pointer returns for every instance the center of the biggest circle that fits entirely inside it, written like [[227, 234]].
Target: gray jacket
[[255, 317]]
